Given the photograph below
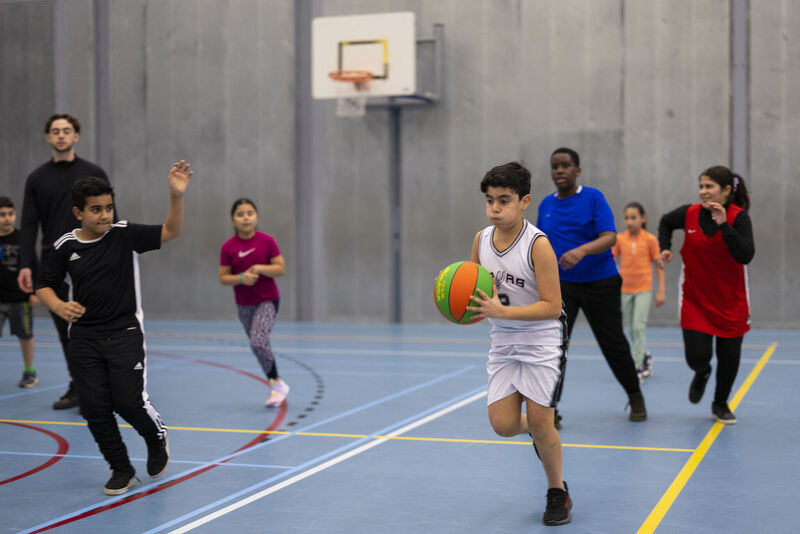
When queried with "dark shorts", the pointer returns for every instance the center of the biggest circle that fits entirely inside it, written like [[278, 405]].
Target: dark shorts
[[19, 316]]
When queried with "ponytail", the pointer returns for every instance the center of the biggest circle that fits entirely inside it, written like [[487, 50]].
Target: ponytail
[[739, 195]]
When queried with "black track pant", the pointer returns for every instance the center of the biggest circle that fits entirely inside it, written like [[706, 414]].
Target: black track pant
[[698, 347], [109, 375], [62, 291], [601, 304]]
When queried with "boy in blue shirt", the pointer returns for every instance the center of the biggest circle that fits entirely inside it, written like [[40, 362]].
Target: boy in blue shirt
[[580, 225]]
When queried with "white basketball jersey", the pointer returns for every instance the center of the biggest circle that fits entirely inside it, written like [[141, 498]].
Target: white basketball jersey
[[513, 274]]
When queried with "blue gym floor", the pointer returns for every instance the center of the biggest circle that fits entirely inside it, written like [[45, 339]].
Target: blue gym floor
[[385, 430]]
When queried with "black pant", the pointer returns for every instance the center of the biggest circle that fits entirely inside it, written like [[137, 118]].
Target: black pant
[[698, 347], [109, 377], [62, 292], [601, 304]]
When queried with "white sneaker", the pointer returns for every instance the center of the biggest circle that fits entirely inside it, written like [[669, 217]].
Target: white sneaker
[[277, 394], [647, 370], [640, 375]]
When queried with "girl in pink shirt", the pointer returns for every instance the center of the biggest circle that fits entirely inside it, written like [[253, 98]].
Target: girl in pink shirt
[[250, 261]]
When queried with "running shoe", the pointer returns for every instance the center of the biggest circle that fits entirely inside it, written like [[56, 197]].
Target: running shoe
[[558, 506], [29, 379], [647, 371], [121, 480], [698, 385], [722, 413], [157, 456], [278, 394]]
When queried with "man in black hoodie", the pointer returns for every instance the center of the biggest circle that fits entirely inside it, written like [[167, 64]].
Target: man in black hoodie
[[48, 202]]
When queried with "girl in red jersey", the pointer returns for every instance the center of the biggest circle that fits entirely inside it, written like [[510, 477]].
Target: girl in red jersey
[[250, 261], [715, 303]]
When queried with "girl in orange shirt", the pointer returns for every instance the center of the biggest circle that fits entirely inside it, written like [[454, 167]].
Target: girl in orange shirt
[[636, 250]]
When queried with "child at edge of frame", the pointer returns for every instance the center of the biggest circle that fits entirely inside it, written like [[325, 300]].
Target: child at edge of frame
[[105, 352], [528, 326], [16, 305]]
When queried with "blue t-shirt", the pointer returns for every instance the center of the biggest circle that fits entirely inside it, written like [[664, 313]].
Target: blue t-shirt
[[570, 222]]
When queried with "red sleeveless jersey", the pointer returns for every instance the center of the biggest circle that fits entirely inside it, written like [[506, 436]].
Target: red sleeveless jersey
[[715, 298]]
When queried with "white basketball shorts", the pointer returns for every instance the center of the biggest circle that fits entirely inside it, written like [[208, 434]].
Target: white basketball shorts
[[533, 370]]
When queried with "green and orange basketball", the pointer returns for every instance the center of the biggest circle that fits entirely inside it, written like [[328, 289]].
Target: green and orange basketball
[[455, 285]]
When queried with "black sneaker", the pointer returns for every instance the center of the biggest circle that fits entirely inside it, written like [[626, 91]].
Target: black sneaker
[[557, 419], [121, 480], [698, 385], [157, 457], [638, 411], [558, 506], [722, 413]]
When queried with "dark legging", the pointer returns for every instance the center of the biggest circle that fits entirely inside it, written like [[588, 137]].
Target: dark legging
[[258, 322], [699, 350]]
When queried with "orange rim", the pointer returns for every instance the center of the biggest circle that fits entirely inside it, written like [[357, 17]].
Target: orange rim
[[359, 78]]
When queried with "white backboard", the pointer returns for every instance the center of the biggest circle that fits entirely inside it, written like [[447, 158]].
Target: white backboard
[[383, 44]]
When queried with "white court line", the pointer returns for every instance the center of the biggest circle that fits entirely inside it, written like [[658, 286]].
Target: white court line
[[472, 353], [481, 341], [323, 466]]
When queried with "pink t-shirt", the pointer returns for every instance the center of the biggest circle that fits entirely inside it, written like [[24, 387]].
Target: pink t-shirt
[[239, 254]]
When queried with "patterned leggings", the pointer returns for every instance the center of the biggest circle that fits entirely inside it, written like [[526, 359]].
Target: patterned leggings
[[258, 321]]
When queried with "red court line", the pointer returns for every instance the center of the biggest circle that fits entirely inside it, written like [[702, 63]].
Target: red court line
[[212, 364], [63, 447], [161, 487]]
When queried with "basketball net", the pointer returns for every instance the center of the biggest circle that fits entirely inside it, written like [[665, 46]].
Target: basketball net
[[349, 105]]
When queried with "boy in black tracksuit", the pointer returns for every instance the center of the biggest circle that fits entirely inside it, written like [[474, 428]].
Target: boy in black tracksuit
[[105, 351]]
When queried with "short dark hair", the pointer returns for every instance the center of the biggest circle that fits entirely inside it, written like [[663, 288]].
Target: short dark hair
[[512, 175], [576, 159], [90, 186], [239, 201], [5, 202], [67, 117]]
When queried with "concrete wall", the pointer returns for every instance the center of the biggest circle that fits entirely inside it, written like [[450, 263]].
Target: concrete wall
[[641, 89], [26, 90], [202, 80], [775, 160]]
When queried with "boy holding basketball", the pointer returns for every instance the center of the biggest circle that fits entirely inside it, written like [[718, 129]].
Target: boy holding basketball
[[528, 335], [105, 349]]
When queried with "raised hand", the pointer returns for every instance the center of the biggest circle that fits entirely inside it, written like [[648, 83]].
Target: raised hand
[[179, 177]]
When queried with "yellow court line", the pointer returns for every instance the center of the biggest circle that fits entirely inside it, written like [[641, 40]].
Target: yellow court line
[[627, 448], [664, 504], [359, 436]]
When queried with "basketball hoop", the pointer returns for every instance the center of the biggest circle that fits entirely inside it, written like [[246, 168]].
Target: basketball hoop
[[352, 106]]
